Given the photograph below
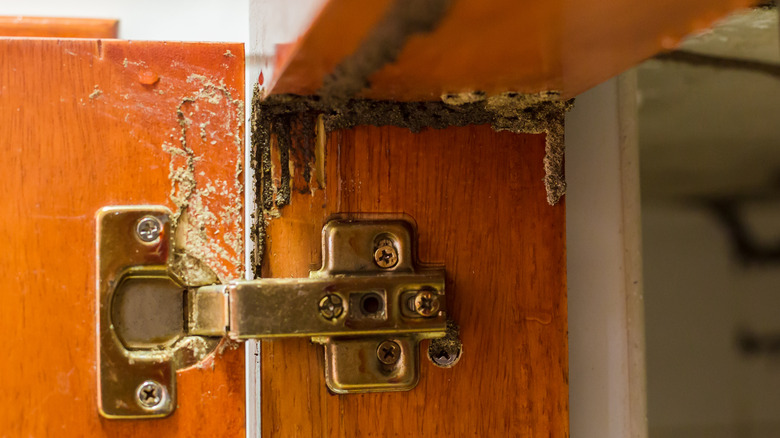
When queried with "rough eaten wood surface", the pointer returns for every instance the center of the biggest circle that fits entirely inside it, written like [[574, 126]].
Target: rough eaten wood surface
[[475, 196], [86, 124]]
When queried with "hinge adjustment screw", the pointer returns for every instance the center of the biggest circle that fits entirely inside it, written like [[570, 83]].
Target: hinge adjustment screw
[[426, 303], [331, 306]]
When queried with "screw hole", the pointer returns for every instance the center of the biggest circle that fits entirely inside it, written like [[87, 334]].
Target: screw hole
[[371, 304], [445, 356], [446, 352]]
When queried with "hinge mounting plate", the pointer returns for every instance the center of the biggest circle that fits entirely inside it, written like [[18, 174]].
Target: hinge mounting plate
[[369, 305]]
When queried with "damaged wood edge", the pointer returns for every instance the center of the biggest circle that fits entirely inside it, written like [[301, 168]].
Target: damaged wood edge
[[383, 45], [194, 251], [298, 125]]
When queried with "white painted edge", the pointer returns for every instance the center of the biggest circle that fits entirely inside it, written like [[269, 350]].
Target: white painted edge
[[607, 389], [632, 254], [271, 22], [252, 376]]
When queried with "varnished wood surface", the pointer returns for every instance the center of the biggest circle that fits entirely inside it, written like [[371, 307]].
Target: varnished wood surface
[[479, 203], [58, 27], [83, 127], [495, 46]]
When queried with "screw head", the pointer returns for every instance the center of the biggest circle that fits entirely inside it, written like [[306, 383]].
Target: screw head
[[331, 306], [386, 256], [426, 303], [150, 394], [148, 229], [388, 352]]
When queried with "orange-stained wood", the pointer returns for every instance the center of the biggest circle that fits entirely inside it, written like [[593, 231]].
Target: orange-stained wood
[[480, 206], [83, 127], [338, 31], [58, 27], [495, 46]]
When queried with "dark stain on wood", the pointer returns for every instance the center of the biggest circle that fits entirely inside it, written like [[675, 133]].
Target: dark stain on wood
[[382, 45]]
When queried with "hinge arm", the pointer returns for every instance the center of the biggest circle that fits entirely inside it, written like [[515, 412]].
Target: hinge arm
[[364, 305]]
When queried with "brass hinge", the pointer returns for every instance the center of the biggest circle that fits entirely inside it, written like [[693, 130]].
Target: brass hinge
[[369, 305]]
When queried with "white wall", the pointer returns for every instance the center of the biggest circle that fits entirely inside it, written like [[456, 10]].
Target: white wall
[[711, 132], [170, 20], [698, 296], [606, 329]]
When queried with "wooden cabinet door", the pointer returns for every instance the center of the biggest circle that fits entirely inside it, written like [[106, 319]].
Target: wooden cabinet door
[[479, 202], [91, 123]]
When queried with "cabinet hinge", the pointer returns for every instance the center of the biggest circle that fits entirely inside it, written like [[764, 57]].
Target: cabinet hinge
[[369, 305]]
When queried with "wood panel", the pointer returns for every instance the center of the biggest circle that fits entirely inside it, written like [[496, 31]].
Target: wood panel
[[502, 45], [58, 27], [480, 205], [90, 123]]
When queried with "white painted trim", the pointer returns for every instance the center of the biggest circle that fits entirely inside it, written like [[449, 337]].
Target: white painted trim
[[632, 254], [271, 22], [252, 368], [607, 393]]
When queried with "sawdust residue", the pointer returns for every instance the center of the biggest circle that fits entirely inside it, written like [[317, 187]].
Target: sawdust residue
[[203, 254], [227, 344], [95, 93], [211, 92], [196, 351], [446, 352], [527, 113], [516, 112], [461, 98], [194, 271]]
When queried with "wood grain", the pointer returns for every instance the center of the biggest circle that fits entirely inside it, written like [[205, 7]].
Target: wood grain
[[84, 128], [58, 27], [494, 46], [479, 203]]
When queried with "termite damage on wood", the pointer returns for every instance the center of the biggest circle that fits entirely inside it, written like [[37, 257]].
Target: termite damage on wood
[[299, 124]]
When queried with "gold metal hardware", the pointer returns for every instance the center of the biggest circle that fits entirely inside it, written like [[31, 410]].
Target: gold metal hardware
[[369, 305]]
